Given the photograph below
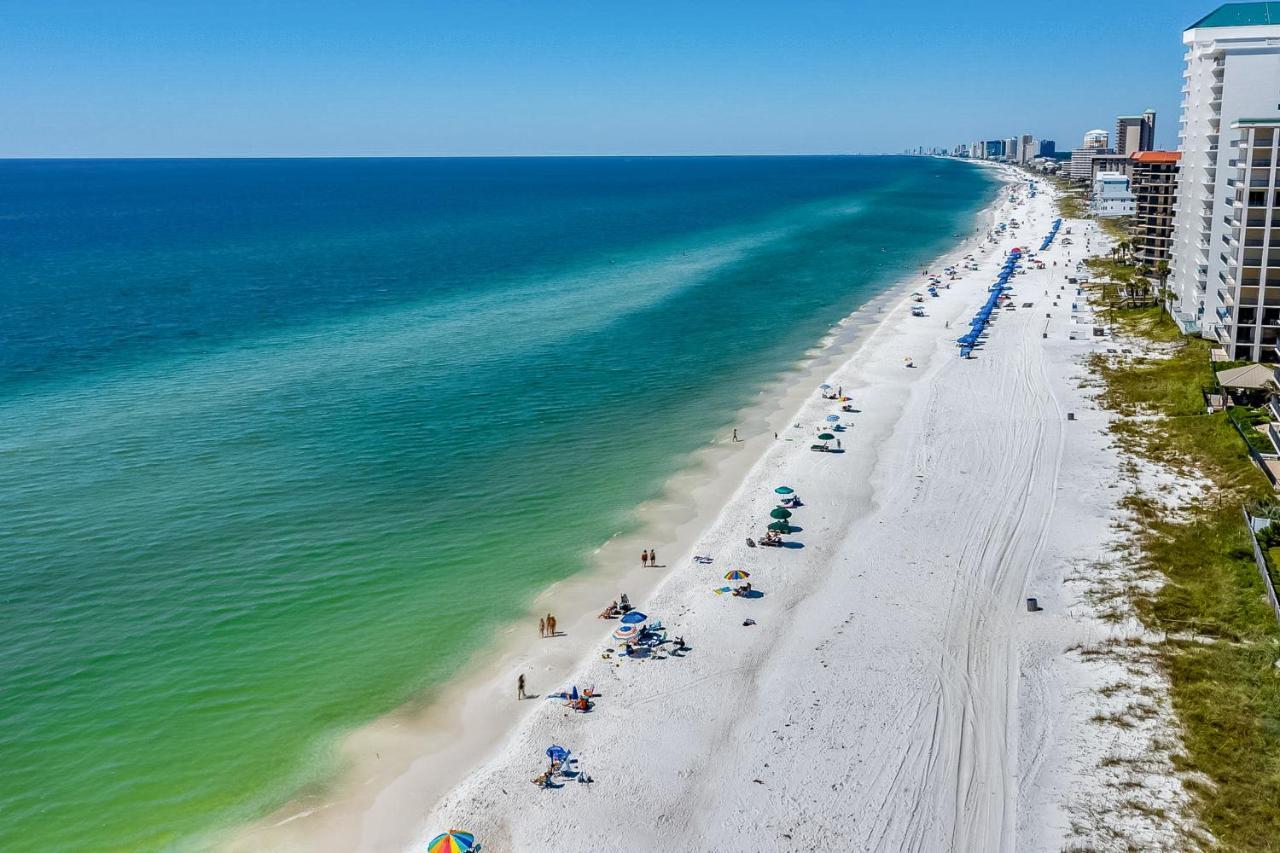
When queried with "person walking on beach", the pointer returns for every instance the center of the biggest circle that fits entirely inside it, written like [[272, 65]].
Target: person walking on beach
[[644, 558], [653, 558], [735, 434], [520, 688], [551, 625], [542, 628]]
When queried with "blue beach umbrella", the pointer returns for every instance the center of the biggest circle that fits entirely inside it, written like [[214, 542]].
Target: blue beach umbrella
[[832, 418], [635, 617], [627, 633], [557, 753]]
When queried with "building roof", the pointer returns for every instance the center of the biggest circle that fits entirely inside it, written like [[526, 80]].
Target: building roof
[[1240, 15], [1256, 376], [1156, 156]]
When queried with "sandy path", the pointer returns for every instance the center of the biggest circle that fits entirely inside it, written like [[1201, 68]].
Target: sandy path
[[876, 704]]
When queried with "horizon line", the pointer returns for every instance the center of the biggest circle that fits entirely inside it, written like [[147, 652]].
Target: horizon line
[[20, 157]]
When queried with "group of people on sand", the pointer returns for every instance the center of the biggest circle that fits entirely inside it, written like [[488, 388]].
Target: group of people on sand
[[771, 538], [617, 608], [648, 558], [547, 626]]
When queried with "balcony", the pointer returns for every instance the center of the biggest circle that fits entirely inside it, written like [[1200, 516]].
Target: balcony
[[1225, 297]]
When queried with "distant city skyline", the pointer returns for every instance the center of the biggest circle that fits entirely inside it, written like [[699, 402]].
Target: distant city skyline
[[571, 78]]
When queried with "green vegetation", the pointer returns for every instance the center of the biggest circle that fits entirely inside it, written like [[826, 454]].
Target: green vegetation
[[1221, 638], [1248, 420]]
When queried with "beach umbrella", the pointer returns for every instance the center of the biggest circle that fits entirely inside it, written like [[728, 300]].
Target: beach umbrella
[[557, 753], [785, 490], [453, 841], [626, 633], [780, 527], [736, 575], [825, 387], [826, 436], [832, 418], [779, 512], [635, 617]]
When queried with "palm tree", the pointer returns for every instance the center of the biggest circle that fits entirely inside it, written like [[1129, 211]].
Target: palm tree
[[1162, 273]]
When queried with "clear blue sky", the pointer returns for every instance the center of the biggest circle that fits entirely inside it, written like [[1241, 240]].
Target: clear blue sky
[[281, 77]]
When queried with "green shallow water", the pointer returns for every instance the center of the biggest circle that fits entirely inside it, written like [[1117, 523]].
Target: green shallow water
[[281, 442]]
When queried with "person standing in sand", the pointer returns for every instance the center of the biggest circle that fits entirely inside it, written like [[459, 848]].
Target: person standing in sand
[[653, 558], [542, 627], [520, 688], [551, 625], [644, 558]]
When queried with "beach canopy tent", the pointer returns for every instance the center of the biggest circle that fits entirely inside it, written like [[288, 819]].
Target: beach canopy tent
[[779, 512], [635, 617], [1251, 377], [453, 841]]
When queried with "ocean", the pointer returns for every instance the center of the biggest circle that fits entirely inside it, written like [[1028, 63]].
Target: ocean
[[282, 442]]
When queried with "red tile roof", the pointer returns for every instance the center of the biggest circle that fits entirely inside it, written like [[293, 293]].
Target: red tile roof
[[1156, 156]]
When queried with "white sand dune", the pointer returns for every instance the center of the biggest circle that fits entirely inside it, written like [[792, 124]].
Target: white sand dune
[[894, 693]]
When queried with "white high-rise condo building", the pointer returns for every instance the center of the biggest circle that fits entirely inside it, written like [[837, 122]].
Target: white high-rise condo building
[[1247, 317], [1232, 73], [1096, 140]]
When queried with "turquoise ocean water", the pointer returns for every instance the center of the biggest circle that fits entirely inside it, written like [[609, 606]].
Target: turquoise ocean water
[[282, 441]]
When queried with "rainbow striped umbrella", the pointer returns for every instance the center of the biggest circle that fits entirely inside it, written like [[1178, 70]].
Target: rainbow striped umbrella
[[453, 841], [737, 575]]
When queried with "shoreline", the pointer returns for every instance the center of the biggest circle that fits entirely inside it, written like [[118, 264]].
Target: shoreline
[[393, 769]]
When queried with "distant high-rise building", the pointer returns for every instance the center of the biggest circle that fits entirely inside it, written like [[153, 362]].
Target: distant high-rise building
[[1097, 140], [1136, 133], [1224, 281], [995, 148], [1011, 148], [1026, 148], [1046, 148]]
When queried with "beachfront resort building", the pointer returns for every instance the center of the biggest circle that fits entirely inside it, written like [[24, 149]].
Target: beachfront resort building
[[1111, 196], [1136, 133], [1153, 179], [1232, 74], [1248, 311], [1095, 143]]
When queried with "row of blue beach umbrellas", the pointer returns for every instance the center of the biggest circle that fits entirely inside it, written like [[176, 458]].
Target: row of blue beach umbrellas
[[1053, 232], [979, 323]]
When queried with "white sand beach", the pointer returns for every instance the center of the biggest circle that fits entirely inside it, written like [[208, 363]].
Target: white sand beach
[[894, 692]]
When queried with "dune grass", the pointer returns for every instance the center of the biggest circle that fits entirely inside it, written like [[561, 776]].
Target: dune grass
[[1221, 637]]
